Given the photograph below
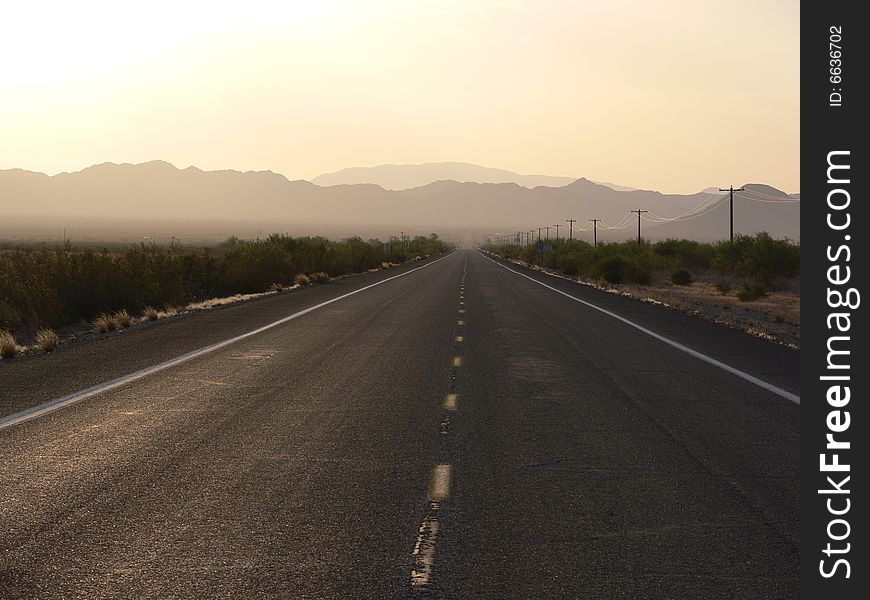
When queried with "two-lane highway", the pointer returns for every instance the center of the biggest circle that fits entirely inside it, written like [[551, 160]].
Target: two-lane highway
[[461, 431]]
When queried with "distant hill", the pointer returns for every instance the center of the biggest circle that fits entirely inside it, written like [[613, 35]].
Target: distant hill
[[267, 201], [402, 177]]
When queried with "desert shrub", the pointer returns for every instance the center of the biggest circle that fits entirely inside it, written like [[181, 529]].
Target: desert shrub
[[301, 279], [611, 269], [9, 317], [759, 257], [385, 265], [253, 266], [686, 254], [751, 290], [150, 313], [104, 323], [638, 271], [319, 277], [8, 346], [122, 319], [47, 339], [276, 288], [572, 259], [46, 287], [722, 285], [570, 266], [681, 277]]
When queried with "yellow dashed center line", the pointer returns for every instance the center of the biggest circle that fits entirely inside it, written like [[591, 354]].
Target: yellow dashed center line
[[457, 361], [451, 402], [439, 484]]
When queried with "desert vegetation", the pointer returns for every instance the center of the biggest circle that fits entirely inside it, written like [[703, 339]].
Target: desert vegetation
[[8, 345], [45, 287], [756, 263], [47, 340]]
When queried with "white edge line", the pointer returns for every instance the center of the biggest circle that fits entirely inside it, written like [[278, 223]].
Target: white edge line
[[65, 401], [691, 352]]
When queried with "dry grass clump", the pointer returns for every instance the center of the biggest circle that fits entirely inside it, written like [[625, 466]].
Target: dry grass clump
[[8, 347], [276, 287], [319, 277], [150, 313], [112, 321], [385, 265], [302, 280], [104, 323], [47, 339], [122, 319]]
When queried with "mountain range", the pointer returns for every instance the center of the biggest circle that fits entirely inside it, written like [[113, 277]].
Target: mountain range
[[269, 201]]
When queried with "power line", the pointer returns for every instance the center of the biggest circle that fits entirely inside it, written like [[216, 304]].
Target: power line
[[689, 217], [624, 222], [689, 212], [571, 228]]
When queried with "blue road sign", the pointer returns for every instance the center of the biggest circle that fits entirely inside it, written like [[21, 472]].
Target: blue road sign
[[545, 247]]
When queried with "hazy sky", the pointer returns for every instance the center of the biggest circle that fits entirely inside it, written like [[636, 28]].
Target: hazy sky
[[674, 95]]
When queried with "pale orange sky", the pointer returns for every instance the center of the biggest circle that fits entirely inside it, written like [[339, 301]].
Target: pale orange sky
[[674, 95]]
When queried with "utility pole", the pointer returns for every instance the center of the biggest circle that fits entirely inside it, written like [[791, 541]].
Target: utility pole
[[638, 222], [557, 231], [539, 234], [595, 232], [571, 228], [731, 191], [547, 227]]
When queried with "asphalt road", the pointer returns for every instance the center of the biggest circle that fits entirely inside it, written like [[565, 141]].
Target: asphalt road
[[460, 431]]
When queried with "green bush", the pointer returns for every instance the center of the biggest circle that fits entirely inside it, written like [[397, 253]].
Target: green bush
[[686, 254], [759, 257], [723, 285], [681, 277], [53, 287], [751, 290], [637, 271], [611, 269], [773, 263]]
